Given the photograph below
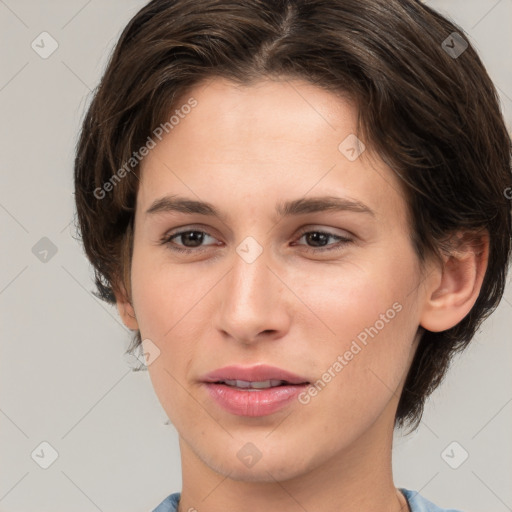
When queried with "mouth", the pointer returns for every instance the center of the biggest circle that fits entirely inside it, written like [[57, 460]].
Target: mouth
[[247, 385], [253, 391]]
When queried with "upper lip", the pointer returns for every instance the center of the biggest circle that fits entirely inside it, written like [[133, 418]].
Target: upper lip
[[257, 373]]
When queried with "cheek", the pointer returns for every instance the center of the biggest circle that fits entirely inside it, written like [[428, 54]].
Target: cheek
[[371, 316], [167, 307], [164, 295], [360, 370], [352, 299]]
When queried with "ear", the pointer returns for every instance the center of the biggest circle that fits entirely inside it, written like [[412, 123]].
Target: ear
[[456, 285], [125, 308]]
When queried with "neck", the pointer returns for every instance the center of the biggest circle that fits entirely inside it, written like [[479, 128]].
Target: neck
[[354, 480]]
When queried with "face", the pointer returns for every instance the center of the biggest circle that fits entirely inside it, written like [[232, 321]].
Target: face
[[331, 295]]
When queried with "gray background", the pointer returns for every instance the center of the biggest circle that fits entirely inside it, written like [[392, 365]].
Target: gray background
[[63, 376]]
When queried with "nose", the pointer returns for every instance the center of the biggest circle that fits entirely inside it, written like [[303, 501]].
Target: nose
[[253, 304]]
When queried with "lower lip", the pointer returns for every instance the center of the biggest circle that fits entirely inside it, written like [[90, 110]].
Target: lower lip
[[260, 402]]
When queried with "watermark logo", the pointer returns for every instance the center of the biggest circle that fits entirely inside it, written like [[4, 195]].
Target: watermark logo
[[454, 455], [44, 45], [44, 250], [249, 454], [44, 455], [351, 147], [149, 352], [249, 249], [454, 45]]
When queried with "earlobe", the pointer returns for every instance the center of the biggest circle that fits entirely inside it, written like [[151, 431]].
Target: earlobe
[[463, 271], [126, 311]]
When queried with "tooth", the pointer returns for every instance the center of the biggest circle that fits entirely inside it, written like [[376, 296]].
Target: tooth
[[245, 384], [261, 384]]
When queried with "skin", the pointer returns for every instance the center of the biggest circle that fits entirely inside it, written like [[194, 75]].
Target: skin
[[244, 149]]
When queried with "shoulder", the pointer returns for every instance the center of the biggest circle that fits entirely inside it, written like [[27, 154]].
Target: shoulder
[[170, 504], [420, 504]]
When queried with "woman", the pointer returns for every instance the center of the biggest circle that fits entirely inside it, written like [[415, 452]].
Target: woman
[[300, 209]]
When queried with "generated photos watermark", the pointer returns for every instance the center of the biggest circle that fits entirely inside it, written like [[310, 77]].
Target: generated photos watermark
[[137, 156], [344, 359]]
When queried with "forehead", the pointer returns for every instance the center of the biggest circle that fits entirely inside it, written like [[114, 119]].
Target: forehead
[[254, 120], [263, 143]]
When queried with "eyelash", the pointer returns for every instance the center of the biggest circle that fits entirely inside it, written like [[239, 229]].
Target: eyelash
[[167, 240]]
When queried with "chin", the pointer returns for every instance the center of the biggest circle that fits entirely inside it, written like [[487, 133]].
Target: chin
[[273, 465]]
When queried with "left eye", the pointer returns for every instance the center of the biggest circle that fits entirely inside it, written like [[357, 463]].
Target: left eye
[[196, 237], [321, 237]]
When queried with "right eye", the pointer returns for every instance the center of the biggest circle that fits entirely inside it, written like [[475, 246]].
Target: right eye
[[194, 237]]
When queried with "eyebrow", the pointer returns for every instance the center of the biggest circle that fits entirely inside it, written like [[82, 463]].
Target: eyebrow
[[283, 209]]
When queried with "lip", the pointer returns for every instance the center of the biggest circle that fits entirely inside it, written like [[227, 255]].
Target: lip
[[257, 402], [253, 373]]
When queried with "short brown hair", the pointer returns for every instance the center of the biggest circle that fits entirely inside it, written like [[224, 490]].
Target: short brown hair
[[431, 114]]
